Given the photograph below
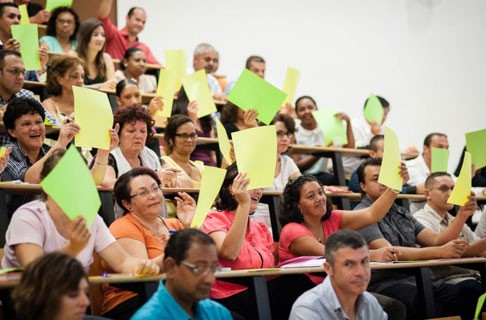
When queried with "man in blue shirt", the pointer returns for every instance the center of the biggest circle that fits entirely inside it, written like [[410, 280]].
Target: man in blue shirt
[[190, 262]]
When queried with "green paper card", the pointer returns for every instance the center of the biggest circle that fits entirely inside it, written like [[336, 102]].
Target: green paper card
[[479, 306], [256, 154], [24, 15], [176, 61], [27, 35], [71, 186], [212, 180], [252, 92], [390, 166], [292, 78], [476, 146], [440, 160], [167, 86], [197, 89], [462, 188], [53, 4], [94, 117], [373, 110], [331, 126], [223, 142]]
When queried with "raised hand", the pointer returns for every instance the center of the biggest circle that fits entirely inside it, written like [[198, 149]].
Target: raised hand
[[186, 207]]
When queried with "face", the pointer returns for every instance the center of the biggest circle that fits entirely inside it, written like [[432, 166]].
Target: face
[[73, 77], [385, 114], [29, 130], [184, 145], [98, 39], [371, 187], [12, 79], [208, 61], [350, 273], [65, 25], [255, 196], [258, 68], [73, 304], [147, 198], [438, 195], [436, 142], [129, 97], [380, 146], [312, 201], [135, 65], [11, 15], [304, 111], [133, 136], [136, 22], [283, 137]]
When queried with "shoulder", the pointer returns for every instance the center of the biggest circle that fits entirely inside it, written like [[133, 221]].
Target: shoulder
[[213, 309], [173, 223]]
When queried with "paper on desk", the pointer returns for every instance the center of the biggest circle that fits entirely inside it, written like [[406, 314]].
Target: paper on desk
[[475, 145], [440, 160], [167, 86], [176, 61], [71, 186], [223, 141], [390, 166], [212, 180], [304, 262], [373, 110], [331, 126], [197, 89], [24, 15], [462, 188], [53, 4], [27, 35], [252, 92], [256, 153], [94, 117], [292, 78]]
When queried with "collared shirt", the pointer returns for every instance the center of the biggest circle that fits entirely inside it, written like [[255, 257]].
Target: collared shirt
[[321, 302], [163, 306], [311, 138], [23, 93]]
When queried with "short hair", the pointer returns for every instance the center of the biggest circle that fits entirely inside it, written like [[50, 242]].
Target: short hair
[[122, 84], [132, 11], [367, 162], [84, 37], [131, 115], [17, 107], [170, 131], [287, 120], [226, 201], [342, 239], [181, 241], [384, 103], [374, 142], [122, 188], [51, 23], [6, 53], [127, 55], [7, 4], [203, 48], [58, 67], [43, 284], [431, 179], [289, 207], [302, 98], [229, 113], [251, 59], [51, 162], [428, 138]]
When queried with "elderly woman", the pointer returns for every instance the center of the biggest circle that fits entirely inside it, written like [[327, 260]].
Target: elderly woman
[[133, 67], [141, 231], [61, 32]]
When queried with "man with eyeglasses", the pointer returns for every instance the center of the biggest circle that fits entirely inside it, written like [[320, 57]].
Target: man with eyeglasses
[[190, 262]]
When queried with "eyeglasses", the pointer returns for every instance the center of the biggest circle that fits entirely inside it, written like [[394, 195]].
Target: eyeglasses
[[186, 136], [145, 192], [63, 21], [443, 188], [202, 268], [15, 71], [287, 134]]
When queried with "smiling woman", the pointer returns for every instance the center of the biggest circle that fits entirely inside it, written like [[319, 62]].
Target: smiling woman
[[133, 66]]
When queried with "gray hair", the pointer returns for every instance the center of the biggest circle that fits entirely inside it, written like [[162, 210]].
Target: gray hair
[[203, 48]]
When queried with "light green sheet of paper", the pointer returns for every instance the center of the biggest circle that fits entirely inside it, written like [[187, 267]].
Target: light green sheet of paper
[[176, 61], [291, 82], [167, 86], [27, 35], [390, 166], [252, 92], [197, 89], [476, 146], [331, 126], [71, 186], [94, 117], [462, 188], [3, 150], [256, 154], [373, 110], [13, 269], [440, 160], [223, 142], [24, 15], [479, 306], [211, 182], [53, 4]]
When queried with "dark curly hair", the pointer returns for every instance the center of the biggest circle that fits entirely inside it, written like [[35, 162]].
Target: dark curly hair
[[170, 131], [51, 24], [58, 67], [287, 120], [226, 201], [289, 209], [19, 106], [131, 115]]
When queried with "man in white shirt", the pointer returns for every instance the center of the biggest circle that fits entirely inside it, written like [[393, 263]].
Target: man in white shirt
[[206, 57]]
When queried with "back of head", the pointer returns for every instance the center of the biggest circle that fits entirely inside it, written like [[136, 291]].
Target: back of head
[[384, 103], [181, 241], [342, 239], [17, 107], [374, 142]]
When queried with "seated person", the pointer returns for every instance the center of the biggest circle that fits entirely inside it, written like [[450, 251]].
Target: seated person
[[37, 14], [343, 294], [62, 30], [255, 64], [133, 67], [190, 262], [206, 57], [235, 119], [128, 94]]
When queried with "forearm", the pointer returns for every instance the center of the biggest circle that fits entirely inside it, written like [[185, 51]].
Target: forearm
[[424, 253], [104, 8], [99, 167], [230, 249], [365, 217], [452, 232], [32, 175], [476, 249]]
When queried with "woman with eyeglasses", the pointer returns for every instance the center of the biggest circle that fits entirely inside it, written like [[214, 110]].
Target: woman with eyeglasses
[[142, 232], [62, 29]]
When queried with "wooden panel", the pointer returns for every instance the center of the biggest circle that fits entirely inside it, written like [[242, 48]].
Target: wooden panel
[[87, 8]]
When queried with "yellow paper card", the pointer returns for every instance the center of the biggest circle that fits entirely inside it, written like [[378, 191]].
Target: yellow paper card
[[475, 144], [94, 116], [462, 188], [197, 89], [176, 61], [166, 88], [212, 180], [292, 78], [24, 15], [223, 141], [256, 155], [28, 37], [3, 150], [390, 167]]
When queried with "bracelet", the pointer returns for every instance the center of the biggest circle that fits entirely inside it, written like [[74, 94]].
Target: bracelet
[[101, 164]]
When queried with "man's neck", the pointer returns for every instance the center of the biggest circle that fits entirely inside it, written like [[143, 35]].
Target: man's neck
[[348, 302], [5, 95], [440, 212], [185, 305], [32, 154], [132, 37]]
